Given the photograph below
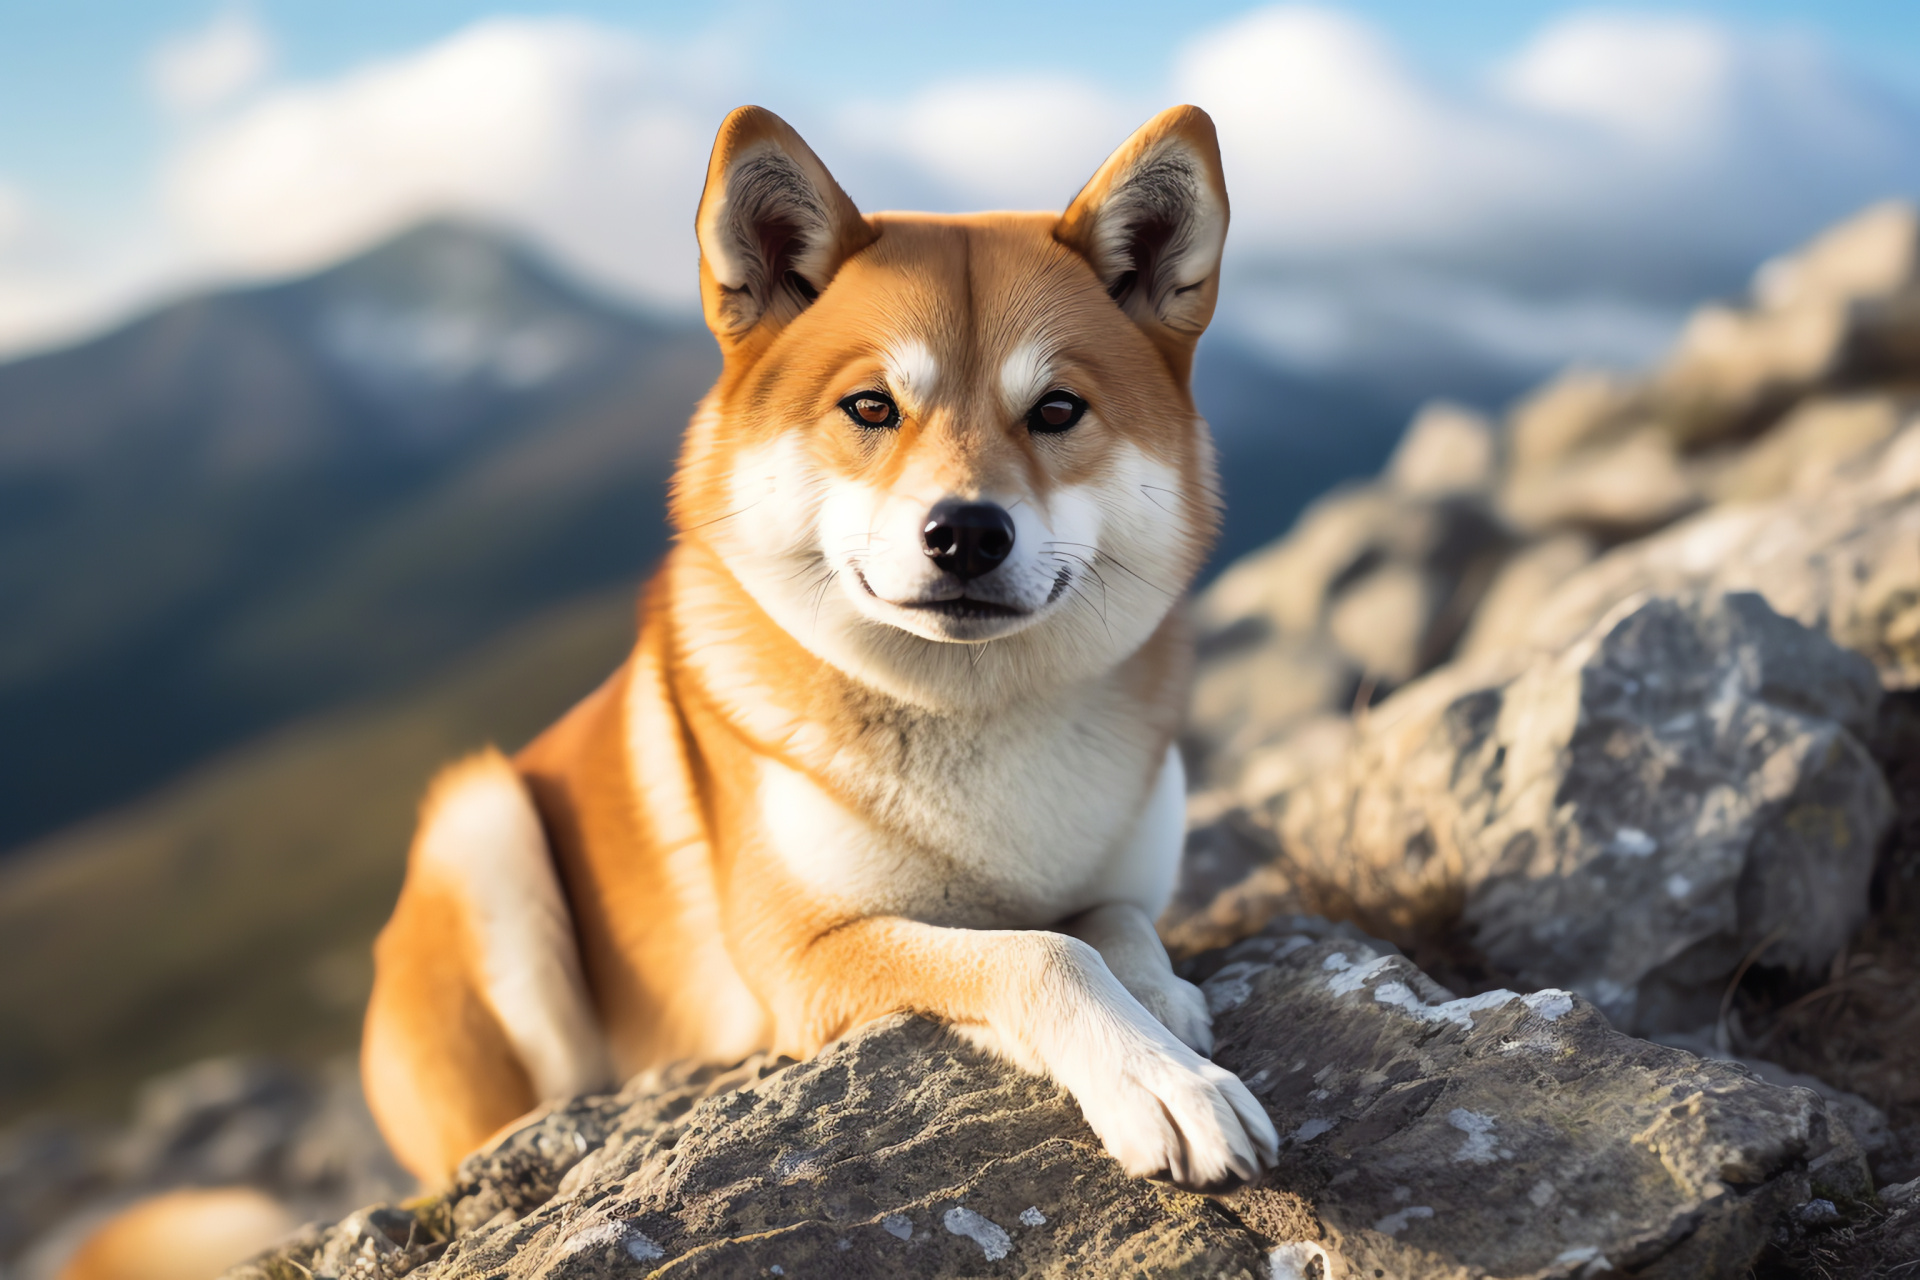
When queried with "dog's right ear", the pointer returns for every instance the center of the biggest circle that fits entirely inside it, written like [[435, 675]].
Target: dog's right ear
[[774, 227], [1151, 224]]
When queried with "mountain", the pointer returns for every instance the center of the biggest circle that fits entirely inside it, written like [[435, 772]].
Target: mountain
[[261, 502]]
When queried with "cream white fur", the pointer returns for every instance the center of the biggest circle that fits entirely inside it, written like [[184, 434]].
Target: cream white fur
[[912, 372], [484, 839], [1026, 375], [1052, 772]]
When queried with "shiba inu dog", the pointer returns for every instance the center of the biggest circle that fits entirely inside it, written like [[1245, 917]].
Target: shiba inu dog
[[898, 730]]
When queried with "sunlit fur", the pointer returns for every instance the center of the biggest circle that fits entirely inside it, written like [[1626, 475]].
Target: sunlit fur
[[806, 799]]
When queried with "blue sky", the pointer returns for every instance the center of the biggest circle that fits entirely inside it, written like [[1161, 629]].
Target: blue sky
[[1529, 181]]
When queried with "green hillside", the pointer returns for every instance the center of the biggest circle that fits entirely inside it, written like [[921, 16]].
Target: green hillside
[[234, 910]]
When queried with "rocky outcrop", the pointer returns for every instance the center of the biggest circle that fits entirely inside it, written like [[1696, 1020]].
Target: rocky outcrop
[[1628, 817], [1590, 780], [1427, 1135]]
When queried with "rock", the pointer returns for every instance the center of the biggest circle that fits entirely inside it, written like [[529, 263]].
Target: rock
[[48, 1168], [1448, 450], [1843, 310], [1845, 307], [1874, 254], [1578, 409], [1803, 452], [306, 1135], [1428, 1136], [1866, 1122], [1620, 488], [1370, 588], [1629, 818], [1254, 687], [1735, 367], [1844, 557], [218, 1121], [1532, 574], [1385, 620], [1287, 584]]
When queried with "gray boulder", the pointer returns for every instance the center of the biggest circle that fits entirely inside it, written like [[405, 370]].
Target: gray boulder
[[1807, 449], [1428, 1136], [1681, 787], [1448, 449], [1843, 557]]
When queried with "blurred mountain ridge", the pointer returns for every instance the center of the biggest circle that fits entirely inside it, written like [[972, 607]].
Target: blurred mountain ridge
[[256, 503]]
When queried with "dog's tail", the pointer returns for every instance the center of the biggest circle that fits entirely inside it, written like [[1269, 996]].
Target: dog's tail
[[182, 1235]]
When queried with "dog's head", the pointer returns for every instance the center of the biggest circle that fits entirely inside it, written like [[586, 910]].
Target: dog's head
[[957, 456]]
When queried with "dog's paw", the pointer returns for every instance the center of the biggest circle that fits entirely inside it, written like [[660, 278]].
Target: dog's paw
[[1165, 1112], [1180, 1007]]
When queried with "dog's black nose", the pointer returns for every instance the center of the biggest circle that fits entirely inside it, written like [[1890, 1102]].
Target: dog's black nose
[[968, 539]]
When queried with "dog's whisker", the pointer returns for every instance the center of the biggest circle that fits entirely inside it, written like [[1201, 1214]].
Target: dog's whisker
[[730, 515], [1116, 562]]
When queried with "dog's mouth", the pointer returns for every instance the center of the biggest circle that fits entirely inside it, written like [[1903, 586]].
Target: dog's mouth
[[960, 608], [965, 607]]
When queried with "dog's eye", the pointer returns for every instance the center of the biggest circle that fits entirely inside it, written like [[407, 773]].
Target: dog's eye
[[1057, 411], [871, 409]]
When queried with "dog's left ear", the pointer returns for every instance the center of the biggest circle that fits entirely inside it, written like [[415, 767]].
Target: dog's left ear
[[1152, 222], [773, 225]]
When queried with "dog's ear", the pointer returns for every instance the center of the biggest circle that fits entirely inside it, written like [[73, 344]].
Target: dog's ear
[[773, 226], [1152, 222]]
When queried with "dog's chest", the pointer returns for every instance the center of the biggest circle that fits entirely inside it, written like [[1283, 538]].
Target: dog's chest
[[1009, 820]]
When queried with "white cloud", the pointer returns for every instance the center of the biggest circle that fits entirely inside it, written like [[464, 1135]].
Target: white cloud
[[1001, 142], [1654, 79], [59, 281], [1569, 206], [211, 66], [587, 137], [1569, 203]]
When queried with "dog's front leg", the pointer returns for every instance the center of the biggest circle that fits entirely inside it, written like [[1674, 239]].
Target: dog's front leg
[[1125, 938], [1048, 1002]]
